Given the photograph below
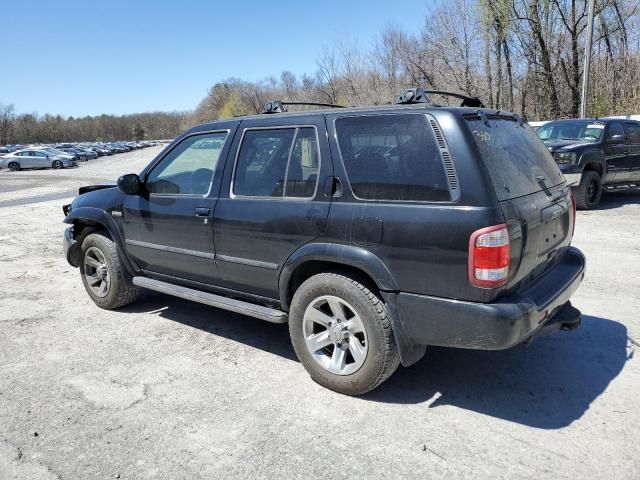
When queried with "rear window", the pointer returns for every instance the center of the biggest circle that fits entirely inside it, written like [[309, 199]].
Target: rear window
[[392, 157], [518, 162]]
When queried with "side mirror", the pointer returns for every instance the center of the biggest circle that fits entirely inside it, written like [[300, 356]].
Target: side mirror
[[617, 139], [130, 184]]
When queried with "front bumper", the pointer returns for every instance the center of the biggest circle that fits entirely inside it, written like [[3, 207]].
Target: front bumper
[[426, 320], [71, 248]]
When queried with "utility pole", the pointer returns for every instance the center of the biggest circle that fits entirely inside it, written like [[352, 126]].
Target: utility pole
[[587, 60]]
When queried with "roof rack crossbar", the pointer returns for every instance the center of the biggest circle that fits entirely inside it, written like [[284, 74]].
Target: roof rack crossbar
[[467, 101], [278, 106]]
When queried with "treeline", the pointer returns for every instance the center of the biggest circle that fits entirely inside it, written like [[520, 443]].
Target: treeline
[[524, 56], [33, 128]]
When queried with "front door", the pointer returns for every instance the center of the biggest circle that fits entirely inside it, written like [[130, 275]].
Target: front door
[[617, 154], [272, 201], [633, 133], [168, 228]]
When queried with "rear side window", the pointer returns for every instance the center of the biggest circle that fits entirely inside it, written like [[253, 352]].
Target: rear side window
[[392, 157], [518, 162], [633, 132], [281, 162]]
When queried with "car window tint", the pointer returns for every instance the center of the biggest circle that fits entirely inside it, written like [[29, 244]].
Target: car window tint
[[518, 162], [189, 167], [615, 129], [633, 132], [304, 166], [262, 162], [392, 157]]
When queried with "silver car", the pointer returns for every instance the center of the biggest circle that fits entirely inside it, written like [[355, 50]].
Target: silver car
[[35, 158]]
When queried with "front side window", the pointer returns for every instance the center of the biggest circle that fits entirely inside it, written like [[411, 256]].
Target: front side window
[[392, 157], [615, 129], [279, 162], [189, 168]]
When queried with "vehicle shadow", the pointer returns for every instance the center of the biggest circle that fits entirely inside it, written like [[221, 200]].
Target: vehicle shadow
[[547, 384], [618, 198], [270, 337]]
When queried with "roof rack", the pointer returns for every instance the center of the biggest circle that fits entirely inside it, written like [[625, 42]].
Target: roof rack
[[278, 106], [419, 95]]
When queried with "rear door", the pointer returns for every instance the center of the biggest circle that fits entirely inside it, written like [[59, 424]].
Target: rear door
[[632, 129], [530, 188], [272, 201]]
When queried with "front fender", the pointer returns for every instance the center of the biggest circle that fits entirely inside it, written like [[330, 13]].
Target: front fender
[[349, 255], [592, 157], [95, 217]]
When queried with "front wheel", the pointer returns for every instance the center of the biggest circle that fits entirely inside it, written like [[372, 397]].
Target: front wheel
[[104, 277], [342, 334], [589, 191], [57, 164], [14, 166]]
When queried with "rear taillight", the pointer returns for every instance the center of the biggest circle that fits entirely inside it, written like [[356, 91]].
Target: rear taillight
[[489, 257], [573, 207]]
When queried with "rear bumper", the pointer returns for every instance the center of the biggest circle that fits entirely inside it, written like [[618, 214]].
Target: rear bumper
[[438, 321]]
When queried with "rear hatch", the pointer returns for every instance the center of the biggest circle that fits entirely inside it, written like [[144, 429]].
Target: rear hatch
[[531, 190]]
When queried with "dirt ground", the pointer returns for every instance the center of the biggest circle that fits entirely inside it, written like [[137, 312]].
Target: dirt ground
[[170, 389]]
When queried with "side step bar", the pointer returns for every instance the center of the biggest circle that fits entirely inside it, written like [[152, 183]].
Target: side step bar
[[218, 301]]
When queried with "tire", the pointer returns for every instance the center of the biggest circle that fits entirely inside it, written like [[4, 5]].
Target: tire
[[14, 166], [589, 192], [335, 365], [57, 164], [100, 265]]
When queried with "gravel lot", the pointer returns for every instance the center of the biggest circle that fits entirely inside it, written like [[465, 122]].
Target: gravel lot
[[170, 389]]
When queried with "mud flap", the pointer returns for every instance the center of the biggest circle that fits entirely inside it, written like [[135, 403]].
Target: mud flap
[[410, 352]]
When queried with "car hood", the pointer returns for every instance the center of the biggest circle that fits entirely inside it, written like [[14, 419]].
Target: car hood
[[566, 145], [93, 188]]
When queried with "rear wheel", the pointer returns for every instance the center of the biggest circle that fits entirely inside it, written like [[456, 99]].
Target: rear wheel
[[589, 192], [57, 164], [104, 278], [342, 334], [14, 166]]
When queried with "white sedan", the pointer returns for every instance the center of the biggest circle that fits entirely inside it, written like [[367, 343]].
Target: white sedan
[[35, 158]]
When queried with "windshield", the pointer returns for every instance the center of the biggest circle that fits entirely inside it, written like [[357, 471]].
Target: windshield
[[518, 162], [582, 131]]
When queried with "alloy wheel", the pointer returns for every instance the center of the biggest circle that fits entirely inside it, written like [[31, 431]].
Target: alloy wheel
[[335, 335], [96, 272]]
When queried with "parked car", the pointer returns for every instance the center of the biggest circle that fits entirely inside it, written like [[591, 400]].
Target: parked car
[[90, 154], [593, 154], [55, 151], [459, 236], [35, 158], [79, 156]]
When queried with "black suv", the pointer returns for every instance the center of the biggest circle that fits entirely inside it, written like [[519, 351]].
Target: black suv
[[594, 154], [374, 232]]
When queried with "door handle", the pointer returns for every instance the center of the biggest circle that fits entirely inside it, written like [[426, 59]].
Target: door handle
[[202, 211], [333, 187]]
